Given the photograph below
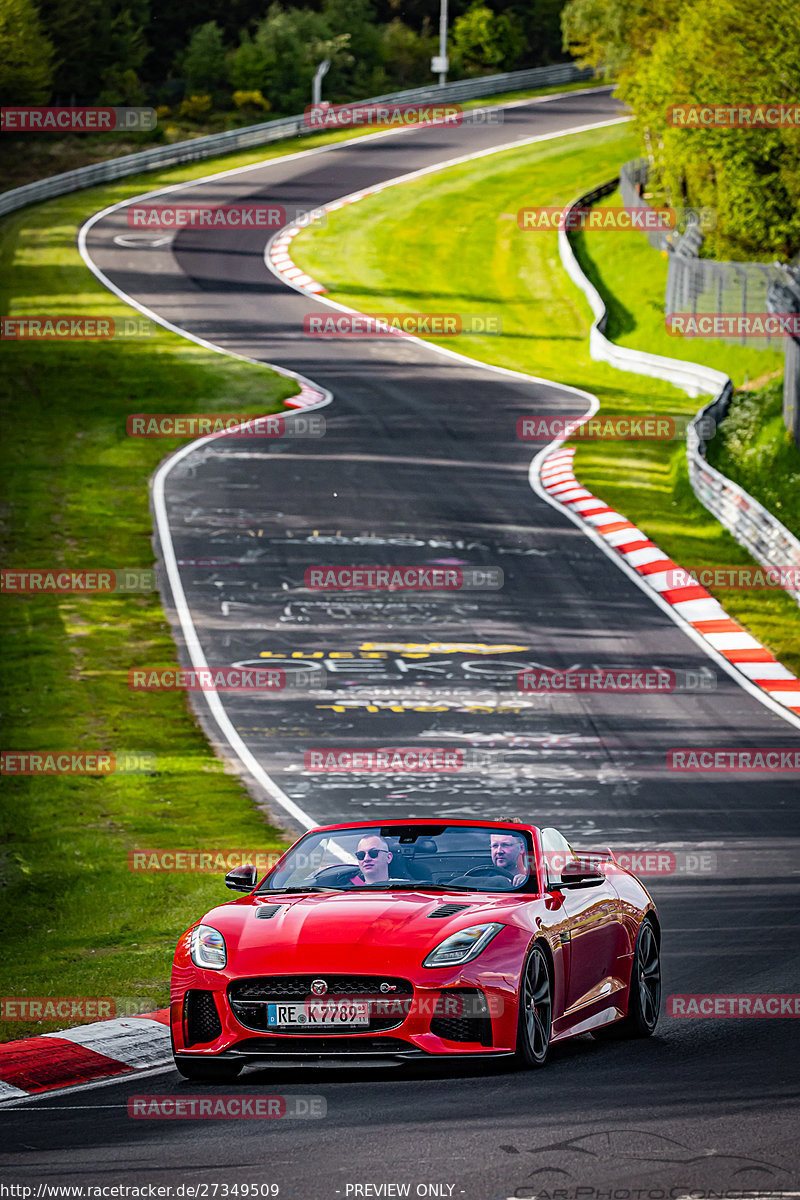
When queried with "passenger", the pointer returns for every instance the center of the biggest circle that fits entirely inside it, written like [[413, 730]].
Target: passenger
[[373, 856]]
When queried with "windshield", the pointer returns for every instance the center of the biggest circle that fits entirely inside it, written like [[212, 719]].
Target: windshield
[[461, 857]]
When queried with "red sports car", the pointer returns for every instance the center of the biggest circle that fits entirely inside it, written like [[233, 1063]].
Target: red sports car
[[403, 940]]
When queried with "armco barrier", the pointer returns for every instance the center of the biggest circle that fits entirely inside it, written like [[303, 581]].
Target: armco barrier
[[271, 131], [762, 534]]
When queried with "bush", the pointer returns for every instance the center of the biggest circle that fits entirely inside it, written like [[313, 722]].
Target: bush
[[251, 100], [195, 107]]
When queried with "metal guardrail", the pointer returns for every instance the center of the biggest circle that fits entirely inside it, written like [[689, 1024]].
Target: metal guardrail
[[763, 535], [271, 131]]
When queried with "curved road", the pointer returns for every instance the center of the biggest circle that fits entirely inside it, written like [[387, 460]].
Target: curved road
[[420, 466]]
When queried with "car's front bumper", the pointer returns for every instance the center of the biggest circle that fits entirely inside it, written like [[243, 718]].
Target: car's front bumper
[[452, 1012]]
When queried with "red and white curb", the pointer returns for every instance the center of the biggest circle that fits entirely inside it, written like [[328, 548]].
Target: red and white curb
[[308, 396], [690, 601], [84, 1054], [277, 254]]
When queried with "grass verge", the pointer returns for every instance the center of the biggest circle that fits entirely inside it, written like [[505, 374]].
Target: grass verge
[[451, 243], [754, 447]]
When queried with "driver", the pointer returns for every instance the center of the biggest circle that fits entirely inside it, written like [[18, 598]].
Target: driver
[[373, 856], [508, 855]]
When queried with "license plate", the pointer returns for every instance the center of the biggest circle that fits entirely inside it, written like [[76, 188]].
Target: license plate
[[317, 1013]]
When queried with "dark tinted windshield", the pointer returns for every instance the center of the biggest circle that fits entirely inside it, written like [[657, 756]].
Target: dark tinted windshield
[[461, 856]]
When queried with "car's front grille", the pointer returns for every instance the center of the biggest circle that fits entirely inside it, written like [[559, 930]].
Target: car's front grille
[[462, 1015], [284, 1047], [201, 1021], [389, 998]]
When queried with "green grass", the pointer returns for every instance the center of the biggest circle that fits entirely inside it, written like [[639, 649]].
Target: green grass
[[450, 242], [754, 447]]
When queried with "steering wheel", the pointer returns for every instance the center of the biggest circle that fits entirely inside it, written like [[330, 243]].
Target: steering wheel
[[336, 876], [483, 871], [497, 876]]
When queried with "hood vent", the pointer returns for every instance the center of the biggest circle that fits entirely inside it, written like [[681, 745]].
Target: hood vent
[[447, 910], [265, 911]]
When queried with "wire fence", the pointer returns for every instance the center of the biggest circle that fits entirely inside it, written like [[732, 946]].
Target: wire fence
[[214, 144], [701, 286]]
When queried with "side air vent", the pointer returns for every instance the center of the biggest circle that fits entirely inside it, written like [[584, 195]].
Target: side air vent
[[265, 911], [447, 910], [200, 1017]]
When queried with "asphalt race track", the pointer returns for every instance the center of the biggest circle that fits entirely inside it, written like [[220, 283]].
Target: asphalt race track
[[420, 466]]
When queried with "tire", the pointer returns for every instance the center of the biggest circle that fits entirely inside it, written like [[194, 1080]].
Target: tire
[[535, 1020], [208, 1071], [644, 994]]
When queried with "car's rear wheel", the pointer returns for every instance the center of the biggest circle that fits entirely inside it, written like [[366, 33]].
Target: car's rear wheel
[[644, 996], [208, 1071], [535, 1021]]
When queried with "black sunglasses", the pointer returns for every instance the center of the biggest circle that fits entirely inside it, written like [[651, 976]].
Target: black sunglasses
[[372, 852]]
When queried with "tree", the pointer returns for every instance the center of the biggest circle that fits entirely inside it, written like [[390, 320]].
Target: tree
[[282, 56], [483, 40], [100, 44], [611, 34], [26, 55], [204, 61], [707, 52], [407, 55]]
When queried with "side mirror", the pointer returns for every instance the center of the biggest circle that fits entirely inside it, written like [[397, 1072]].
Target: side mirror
[[242, 879], [575, 874]]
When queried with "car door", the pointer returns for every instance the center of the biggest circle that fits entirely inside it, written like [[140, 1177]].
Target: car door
[[592, 932]]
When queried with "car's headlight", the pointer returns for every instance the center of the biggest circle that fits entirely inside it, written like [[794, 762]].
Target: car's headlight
[[208, 948], [463, 946]]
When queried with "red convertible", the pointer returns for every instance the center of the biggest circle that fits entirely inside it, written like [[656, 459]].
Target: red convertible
[[404, 940]]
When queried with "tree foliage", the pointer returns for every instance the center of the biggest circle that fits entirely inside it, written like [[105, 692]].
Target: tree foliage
[[204, 61], [25, 55], [706, 53], [485, 41], [132, 51]]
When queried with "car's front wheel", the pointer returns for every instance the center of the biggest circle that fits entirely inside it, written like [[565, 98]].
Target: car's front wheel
[[535, 1021], [208, 1070]]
